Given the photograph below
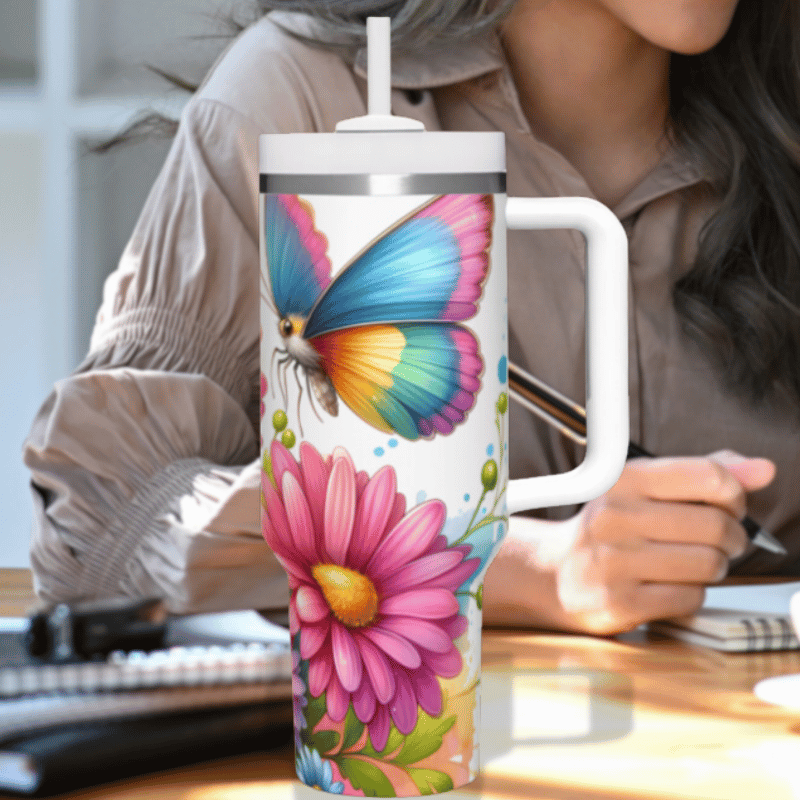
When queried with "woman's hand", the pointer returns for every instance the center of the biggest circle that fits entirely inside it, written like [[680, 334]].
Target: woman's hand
[[643, 550]]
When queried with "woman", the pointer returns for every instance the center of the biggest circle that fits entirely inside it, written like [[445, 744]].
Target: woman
[[683, 120]]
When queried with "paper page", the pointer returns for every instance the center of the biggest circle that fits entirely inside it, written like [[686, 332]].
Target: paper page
[[765, 598]]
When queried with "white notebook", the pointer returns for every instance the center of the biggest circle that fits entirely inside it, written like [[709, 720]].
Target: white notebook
[[739, 618]]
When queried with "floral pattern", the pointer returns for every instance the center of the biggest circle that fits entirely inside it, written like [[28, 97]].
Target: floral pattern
[[372, 588], [379, 604], [315, 772]]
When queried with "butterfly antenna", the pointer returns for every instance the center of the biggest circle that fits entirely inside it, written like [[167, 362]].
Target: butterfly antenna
[[283, 369]]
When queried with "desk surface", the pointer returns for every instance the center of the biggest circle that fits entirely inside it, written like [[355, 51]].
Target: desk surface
[[637, 716]]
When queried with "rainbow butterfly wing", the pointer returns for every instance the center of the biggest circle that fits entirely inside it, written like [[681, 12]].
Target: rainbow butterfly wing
[[415, 379], [385, 329]]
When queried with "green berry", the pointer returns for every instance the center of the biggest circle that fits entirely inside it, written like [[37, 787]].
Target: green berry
[[279, 420], [288, 439], [502, 403], [489, 475], [479, 597]]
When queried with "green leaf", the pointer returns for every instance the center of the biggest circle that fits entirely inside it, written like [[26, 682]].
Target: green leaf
[[315, 710], [425, 739], [324, 741], [366, 776], [430, 780], [353, 728]]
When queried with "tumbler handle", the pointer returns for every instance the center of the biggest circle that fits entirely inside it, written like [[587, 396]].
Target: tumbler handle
[[607, 432]]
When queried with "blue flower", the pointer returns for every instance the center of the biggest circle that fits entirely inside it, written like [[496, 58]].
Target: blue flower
[[299, 701], [315, 772]]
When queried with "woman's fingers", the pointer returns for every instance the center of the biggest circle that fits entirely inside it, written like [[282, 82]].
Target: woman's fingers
[[752, 473], [635, 523], [697, 480]]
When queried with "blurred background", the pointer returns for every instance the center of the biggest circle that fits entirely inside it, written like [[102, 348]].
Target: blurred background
[[73, 73]]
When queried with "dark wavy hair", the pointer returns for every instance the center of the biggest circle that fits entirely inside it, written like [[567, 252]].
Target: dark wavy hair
[[735, 111]]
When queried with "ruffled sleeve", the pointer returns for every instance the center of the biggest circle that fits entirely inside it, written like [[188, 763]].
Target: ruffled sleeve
[[144, 462]]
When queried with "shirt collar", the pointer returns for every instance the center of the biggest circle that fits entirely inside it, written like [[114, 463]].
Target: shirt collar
[[436, 65]]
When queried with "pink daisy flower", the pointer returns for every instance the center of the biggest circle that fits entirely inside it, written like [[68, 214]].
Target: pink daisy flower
[[372, 587]]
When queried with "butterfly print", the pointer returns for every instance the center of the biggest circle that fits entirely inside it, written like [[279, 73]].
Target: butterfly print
[[384, 335]]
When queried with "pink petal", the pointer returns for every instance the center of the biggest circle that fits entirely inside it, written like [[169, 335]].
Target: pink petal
[[312, 638], [340, 510], [422, 603], [278, 536], [320, 669], [409, 539], [294, 622], [277, 532], [374, 510], [346, 657], [429, 635], [311, 605], [398, 512], [337, 700], [454, 626], [440, 543], [394, 645], [297, 572], [455, 577], [403, 707], [379, 728], [361, 482], [423, 569], [315, 481], [282, 462], [364, 702], [380, 673], [445, 665], [427, 690], [341, 452], [299, 516]]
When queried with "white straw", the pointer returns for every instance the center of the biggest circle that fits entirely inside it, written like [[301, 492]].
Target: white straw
[[379, 63]]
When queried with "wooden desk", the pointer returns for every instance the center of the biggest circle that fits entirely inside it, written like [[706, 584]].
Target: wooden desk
[[670, 721]]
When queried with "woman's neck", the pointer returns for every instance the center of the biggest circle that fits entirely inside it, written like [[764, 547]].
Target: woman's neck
[[591, 88]]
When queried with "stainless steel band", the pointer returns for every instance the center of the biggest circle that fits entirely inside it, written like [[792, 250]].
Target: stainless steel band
[[467, 183]]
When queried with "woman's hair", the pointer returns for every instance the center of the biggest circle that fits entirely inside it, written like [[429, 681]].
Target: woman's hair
[[415, 23], [735, 111]]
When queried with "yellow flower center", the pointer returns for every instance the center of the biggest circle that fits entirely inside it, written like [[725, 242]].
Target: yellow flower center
[[351, 595]]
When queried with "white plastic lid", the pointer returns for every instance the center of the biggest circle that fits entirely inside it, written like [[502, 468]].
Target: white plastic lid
[[384, 152]]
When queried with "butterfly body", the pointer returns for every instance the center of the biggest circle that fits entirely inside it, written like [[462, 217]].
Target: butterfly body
[[385, 333]]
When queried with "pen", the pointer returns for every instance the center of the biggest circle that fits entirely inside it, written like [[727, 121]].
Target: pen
[[570, 418]]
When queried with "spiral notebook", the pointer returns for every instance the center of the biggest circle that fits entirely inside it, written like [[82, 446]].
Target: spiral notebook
[[213, 660], [741, 618], [221, 686]]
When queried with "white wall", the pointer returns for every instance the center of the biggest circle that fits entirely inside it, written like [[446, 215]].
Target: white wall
[[23, 331], [72, 72]]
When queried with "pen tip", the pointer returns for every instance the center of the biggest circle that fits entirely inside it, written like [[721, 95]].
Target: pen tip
[[768, 542]]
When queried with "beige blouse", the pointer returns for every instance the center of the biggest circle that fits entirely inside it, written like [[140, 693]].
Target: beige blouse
[[145, 461]]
